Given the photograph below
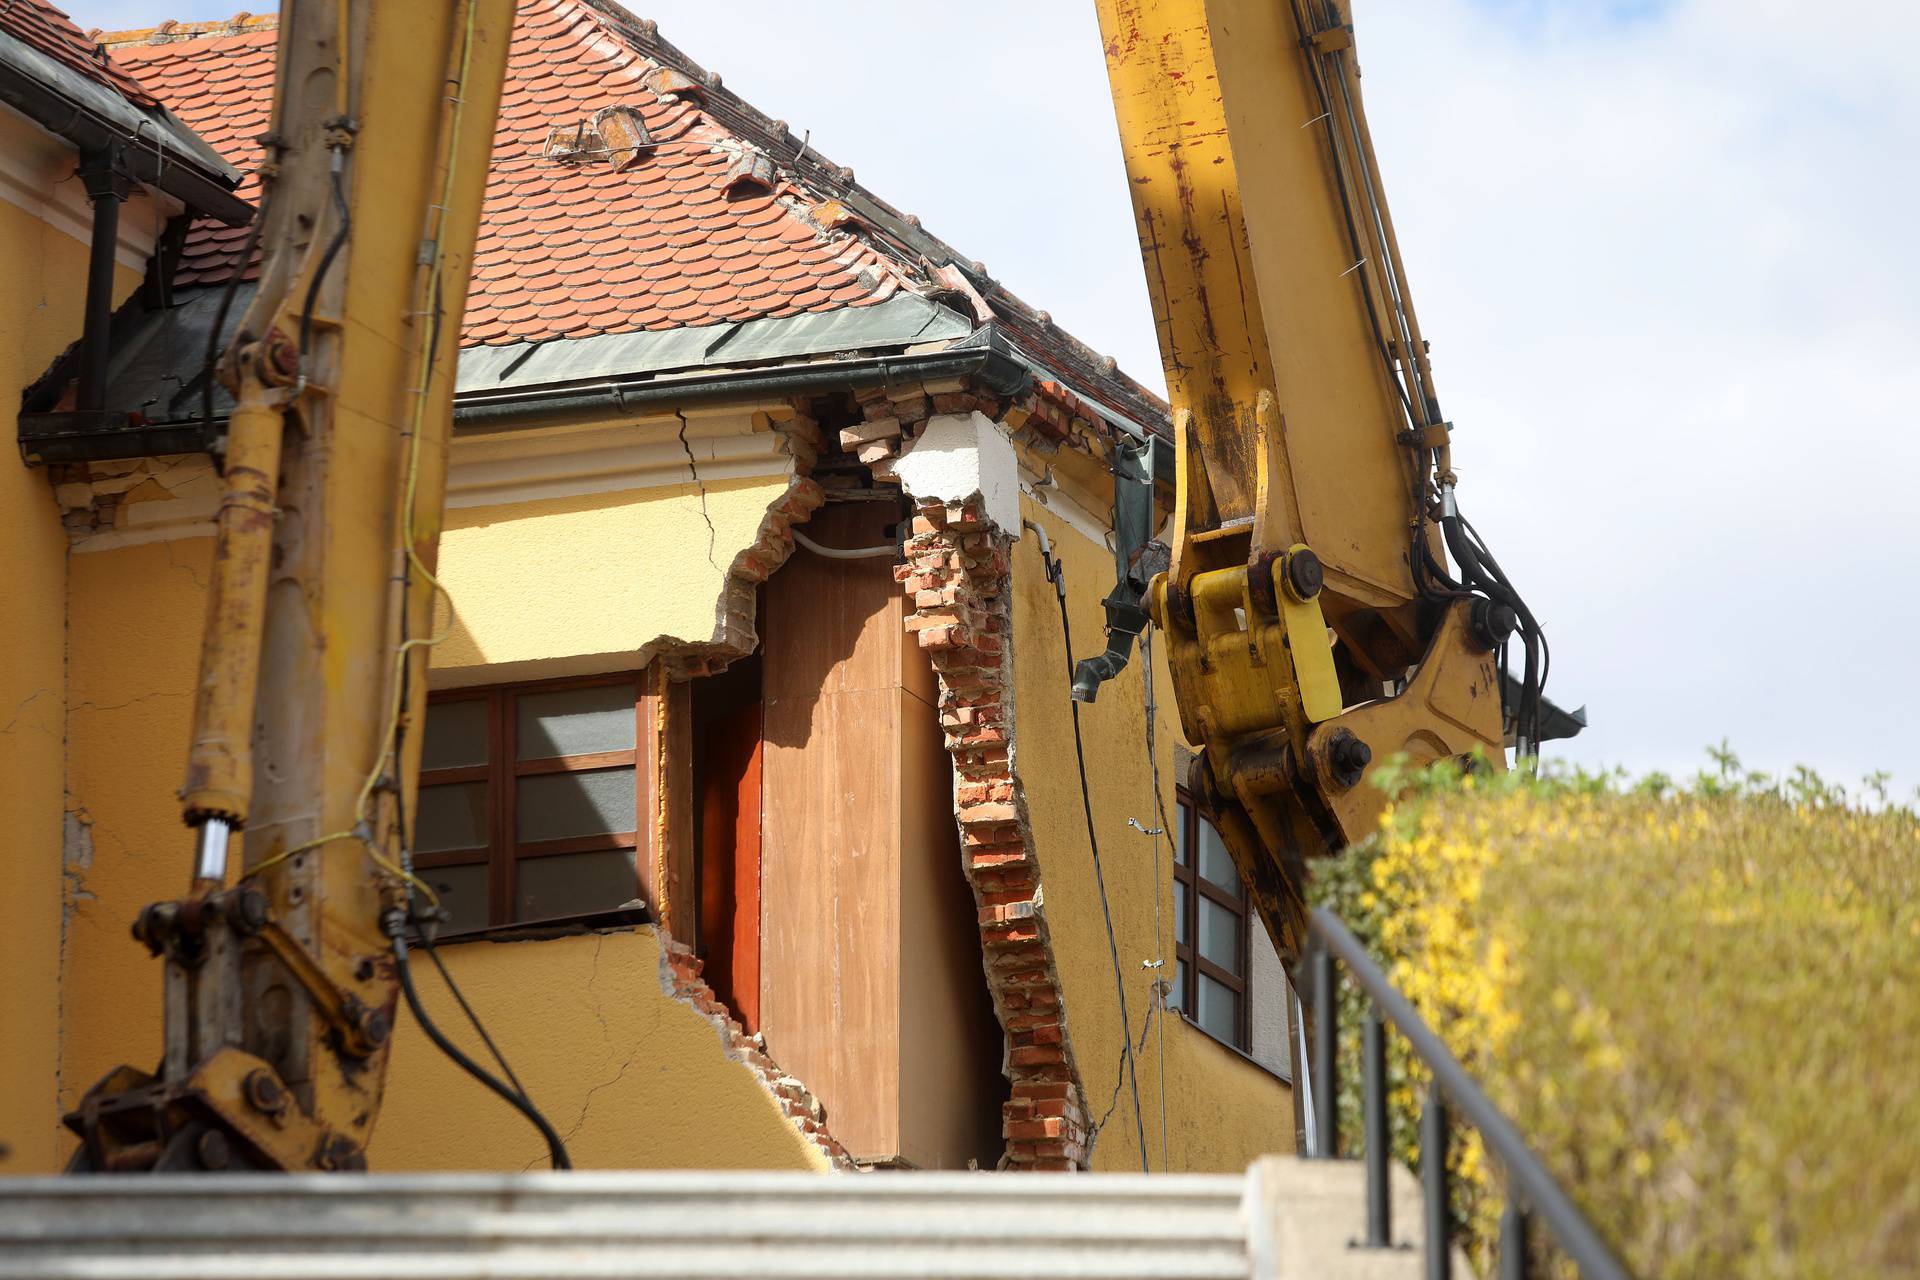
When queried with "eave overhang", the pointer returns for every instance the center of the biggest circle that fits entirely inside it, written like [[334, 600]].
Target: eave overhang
[[903, 340], [156, 148]]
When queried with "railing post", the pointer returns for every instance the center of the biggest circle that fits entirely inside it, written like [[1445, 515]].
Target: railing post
[[1374, 1109], [1326, 1031], [1433, 1182], [1513, 1242]]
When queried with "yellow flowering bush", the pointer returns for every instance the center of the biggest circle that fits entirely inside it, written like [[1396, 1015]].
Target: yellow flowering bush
[[1700, 1004]]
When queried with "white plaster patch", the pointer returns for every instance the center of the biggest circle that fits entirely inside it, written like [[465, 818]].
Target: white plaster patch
[[960, 456]]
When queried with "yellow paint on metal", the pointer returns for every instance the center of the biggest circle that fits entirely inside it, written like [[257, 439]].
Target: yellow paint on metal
[[1308, 648], [1253, 280], [365, 391], [220, 760]]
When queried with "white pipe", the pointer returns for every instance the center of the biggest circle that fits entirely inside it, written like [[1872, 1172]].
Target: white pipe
[[845, 553]]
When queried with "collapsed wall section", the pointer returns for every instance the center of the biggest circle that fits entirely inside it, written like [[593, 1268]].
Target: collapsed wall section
[[680, 978], [956, 576]]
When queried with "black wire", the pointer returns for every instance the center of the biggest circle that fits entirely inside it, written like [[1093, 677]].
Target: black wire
[[345, 216], [1055, 576], [226, 305], [556, 1148], [433, 954], [426, 938]]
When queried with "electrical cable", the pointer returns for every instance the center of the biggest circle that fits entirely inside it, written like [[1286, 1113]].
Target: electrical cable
[[433, 954], [345, 215], [1056, 574], [1160, 879], [397, 931]]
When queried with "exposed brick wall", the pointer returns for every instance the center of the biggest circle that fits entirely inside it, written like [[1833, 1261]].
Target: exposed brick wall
[[680, 977], [957, 578]]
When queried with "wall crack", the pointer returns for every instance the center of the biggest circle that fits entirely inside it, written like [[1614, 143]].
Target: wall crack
[[713, 536]]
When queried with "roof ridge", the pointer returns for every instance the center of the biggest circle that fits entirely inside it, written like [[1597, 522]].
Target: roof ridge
[[173, 32]]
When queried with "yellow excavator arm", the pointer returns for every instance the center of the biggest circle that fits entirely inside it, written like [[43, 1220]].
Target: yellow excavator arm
[[281, 988], [1312, 623]]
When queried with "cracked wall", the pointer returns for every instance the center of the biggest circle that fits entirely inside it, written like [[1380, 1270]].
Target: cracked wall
[[623, 1048], [40, 315], [603, 581], [134, 620], [569, 577], [988, 615], [1204, 1106]]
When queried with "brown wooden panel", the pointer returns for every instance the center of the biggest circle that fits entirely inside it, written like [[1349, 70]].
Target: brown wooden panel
[[871, 984], [831, 644], [838, 622], [829, 908]]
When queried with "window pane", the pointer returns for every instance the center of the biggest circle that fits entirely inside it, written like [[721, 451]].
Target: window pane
[[575, 722], [1216, 864], [1180, 833], [451, 816], [570, 884], [1181, 896], [1219, 1012], [456, 735], [1220, 936], [1179, 984], [463, 893], [554, 806]]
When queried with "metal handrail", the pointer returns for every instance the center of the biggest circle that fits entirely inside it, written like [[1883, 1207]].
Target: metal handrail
[[1538, 1194]]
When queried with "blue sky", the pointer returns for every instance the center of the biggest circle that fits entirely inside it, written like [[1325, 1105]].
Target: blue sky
[[1662, 249]]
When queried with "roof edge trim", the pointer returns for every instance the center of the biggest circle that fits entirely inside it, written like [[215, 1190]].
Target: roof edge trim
[[160, 151]]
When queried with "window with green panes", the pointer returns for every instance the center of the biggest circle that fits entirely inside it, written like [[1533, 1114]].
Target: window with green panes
[[1212, 985], [533, 800]]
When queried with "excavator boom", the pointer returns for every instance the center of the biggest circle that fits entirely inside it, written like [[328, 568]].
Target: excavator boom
[[1313, 626], [281, 988]]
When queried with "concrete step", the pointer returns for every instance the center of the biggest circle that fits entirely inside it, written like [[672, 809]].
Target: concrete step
[[1284, 1219]]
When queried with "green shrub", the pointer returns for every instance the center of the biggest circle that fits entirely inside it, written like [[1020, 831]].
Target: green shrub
[[1700, 1003]]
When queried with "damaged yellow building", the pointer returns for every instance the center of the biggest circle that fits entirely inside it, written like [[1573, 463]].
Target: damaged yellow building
[[750, 776]]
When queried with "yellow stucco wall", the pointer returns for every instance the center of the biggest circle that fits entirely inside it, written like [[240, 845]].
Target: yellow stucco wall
[[643, 1076], [1220, 1110], [561, 586], [134, 619], [630, 1076], [42, 280]]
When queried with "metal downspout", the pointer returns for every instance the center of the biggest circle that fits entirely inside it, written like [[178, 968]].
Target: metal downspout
[[107, 185]]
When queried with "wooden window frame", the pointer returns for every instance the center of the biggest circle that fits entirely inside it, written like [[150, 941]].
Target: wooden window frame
[[503, 772], [1189, 887]]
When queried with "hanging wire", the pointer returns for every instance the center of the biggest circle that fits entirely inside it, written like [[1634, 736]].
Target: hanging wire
[[1161, 879], [1056, 574]]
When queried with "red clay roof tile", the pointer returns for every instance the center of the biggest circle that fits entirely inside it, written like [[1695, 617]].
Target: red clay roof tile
[[563, 249], [52, 32]]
